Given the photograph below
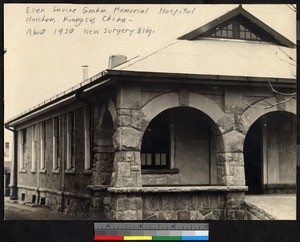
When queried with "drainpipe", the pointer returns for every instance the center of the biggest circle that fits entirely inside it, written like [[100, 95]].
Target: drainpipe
[[14, 177]]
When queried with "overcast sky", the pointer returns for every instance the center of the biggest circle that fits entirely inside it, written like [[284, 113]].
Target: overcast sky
[[37, 67]]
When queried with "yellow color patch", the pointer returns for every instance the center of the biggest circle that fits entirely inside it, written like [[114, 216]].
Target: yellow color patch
[[137, 237]]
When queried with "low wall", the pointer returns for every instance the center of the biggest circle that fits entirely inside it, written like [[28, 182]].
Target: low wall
[[177, 203]]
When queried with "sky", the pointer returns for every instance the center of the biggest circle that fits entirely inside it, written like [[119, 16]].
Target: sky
[[45, 58]]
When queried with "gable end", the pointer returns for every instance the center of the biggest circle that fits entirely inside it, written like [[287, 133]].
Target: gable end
[[238, 24]]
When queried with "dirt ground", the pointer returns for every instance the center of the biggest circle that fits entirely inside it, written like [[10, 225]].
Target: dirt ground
[[16, 211]]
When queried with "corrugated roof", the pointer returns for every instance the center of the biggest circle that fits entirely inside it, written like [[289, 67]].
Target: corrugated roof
[[209, 56]]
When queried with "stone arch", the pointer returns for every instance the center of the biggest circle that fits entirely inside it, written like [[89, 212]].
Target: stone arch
[[195, 100], [171, 100], [206, 105], [252, 114], [160, 104]]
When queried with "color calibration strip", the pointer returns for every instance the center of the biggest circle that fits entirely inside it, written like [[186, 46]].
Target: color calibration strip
[[151, 231]]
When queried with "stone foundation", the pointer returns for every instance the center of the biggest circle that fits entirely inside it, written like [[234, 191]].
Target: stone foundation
[[125, 207], [63, 202]]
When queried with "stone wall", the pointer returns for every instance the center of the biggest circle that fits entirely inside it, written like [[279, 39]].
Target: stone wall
[[62, 202], [177, 203], [61, 190], [184, 206], [126, 207]]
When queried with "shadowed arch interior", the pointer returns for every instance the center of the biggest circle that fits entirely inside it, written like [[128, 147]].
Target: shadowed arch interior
[[270, 153], [182, 138]]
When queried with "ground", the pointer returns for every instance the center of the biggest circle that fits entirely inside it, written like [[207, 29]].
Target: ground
[[281, 206], [16, 211]]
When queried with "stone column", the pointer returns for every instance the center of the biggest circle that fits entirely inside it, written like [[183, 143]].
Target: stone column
[[231, 158], [103, 156], [127, 142], [231, 161]]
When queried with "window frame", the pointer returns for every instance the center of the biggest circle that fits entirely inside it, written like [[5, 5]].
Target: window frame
[[22, 148], [71, 145], [33, 149], [43, 136], [56, 144], [154, 152], [6, 149]]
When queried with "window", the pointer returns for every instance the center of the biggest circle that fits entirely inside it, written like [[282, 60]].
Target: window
[[155, 145], [22, 148], [238, 28], [71, 140], [226, 32], [56, 143], [6, 150], [247, 34], [43, 146], [33, 149], [87, 139]]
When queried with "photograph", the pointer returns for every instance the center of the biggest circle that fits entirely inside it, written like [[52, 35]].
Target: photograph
[[150, 112]]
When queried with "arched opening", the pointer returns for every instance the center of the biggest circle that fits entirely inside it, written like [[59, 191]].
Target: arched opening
[[103, 147], [107, 126], [183, 139], [104, 129], [270, 154]]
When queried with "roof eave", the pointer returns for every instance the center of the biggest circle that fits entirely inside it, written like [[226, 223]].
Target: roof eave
[[199, 78], [97, 80]]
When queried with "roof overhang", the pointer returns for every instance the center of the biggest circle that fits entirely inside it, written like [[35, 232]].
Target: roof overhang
[[199, 78], [100, 80], [110, 76]]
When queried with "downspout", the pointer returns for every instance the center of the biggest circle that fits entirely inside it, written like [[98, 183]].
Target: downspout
[[14, 179]]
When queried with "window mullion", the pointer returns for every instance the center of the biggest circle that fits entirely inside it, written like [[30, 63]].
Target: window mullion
[[236, 30]]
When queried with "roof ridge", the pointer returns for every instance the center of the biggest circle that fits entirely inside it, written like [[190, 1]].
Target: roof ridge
[[151, 54]]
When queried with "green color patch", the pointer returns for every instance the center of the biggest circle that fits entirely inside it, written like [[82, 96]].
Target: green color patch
[[166, 237]]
